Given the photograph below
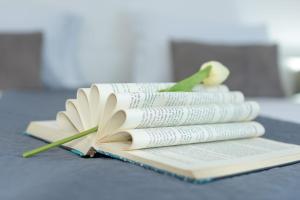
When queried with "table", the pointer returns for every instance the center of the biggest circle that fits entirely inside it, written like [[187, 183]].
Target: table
[[59, 174], [279, 108]]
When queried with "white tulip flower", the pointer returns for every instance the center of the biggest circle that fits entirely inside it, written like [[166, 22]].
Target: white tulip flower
[[218, 73]]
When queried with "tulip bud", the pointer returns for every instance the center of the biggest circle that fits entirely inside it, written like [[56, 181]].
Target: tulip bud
[[218, 73]]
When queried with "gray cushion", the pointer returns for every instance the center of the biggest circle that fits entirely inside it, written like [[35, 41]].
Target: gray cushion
[[254, 68], [20, 60]]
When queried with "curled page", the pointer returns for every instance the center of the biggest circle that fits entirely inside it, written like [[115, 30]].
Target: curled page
[[155, 99], [83, 95], [182, 115], [168, 136], [210, 88], [100, 93], [92, 106]]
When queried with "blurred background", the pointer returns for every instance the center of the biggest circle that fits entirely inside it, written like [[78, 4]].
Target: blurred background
[[46, 44]]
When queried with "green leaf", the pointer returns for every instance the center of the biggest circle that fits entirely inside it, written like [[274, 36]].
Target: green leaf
[[187, 84]]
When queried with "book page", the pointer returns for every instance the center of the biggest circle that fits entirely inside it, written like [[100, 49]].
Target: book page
[[51, 131], [153, 87], [73, 114], [209, 160], [195, 156], [168, 136], [210, 88], [181, 115], [83, 95], [155, 99], [101, 92], [88, 109]]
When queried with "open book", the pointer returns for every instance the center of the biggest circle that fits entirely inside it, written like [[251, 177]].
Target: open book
[[203, 134]]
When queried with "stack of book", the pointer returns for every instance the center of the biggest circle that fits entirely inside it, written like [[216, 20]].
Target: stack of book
[[199, 135]]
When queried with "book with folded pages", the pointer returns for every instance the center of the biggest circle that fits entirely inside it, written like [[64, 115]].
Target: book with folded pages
[[197, 136]]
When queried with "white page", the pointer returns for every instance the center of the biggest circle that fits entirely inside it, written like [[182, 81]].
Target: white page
[[194, 156], [155, 99], [168, 136], [185, 115]]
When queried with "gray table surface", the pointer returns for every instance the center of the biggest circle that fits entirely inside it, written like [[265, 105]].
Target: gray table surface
[[59, 174]]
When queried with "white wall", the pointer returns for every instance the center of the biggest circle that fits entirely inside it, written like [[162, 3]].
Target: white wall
[[101, 23], [104, 59], [281, 17]]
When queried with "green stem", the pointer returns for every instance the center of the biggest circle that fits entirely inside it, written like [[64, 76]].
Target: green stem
[[187, 84], [33, 152]]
